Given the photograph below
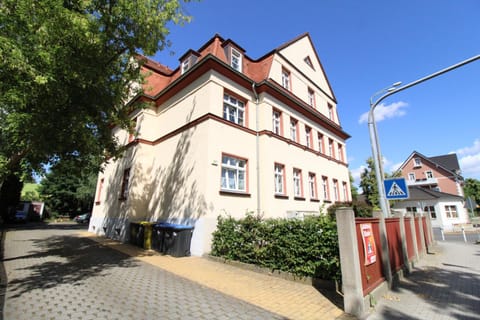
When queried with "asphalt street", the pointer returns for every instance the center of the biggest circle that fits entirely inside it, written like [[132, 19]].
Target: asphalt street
[[54, 274]]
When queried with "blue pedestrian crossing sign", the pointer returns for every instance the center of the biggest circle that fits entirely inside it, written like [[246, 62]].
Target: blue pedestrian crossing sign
[[396, 188]]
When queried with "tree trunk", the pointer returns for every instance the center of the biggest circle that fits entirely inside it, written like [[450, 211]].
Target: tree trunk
[[10, 193]]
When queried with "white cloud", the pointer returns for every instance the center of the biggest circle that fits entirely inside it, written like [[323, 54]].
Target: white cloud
[[382, 112], [469, 158], [356, 173]]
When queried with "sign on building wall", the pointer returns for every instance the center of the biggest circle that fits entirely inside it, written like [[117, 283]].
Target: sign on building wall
[[368, 243]]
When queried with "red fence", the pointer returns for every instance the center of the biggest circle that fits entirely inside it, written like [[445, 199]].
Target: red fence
[[373, 274]]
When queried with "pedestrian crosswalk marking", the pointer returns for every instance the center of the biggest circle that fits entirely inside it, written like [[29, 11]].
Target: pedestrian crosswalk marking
[[395, 190]]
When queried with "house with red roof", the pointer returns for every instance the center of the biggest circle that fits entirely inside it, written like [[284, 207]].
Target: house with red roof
[[435, 188], [226, 134]]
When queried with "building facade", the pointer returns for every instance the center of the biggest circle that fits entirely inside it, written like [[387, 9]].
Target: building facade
[[225, 134]]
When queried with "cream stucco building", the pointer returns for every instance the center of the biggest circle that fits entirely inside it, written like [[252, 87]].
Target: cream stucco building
[[227, 134]]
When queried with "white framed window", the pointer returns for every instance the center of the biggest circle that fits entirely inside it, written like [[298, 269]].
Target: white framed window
[[451, 211], [308, 136], [321, 148], [185, 65], [279, 179], [417, 162], [297, 183], [236, 60], [326, 192], [411, 176], [233, 109], [234, 171], [312, 185], [330, 148], [331, 114], [286, 83], [335, 190], [311, 97], [345, 191], [429, 174], [277, 122], [293, 129], [340, 152]]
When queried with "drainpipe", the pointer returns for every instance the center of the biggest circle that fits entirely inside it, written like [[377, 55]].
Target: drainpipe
[[257, 142]]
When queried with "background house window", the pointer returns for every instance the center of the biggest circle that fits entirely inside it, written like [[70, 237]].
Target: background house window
[[236, 60], [417, 162], [293, 129], [233, 109], [297, 183], [286, 79], [233, 173], [312, 185], [412, 210], [429, 174], [279, 178], [451, 211], [277, 122], [411, 176], [431, 211], [125, 184]]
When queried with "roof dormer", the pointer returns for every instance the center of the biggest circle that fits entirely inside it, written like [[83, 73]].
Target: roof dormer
[[188, 60], [234, 55]]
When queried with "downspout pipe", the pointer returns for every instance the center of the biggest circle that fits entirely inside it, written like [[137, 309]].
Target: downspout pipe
[[257, 146]]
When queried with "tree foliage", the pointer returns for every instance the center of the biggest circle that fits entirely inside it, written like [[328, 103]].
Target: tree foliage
[[65, 72], [68, 189], [472, 189], [368, 183]]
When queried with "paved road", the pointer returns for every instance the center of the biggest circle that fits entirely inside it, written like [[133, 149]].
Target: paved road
[[54, 274]]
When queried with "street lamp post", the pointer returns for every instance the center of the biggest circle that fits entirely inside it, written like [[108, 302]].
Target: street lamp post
[[395, 88]]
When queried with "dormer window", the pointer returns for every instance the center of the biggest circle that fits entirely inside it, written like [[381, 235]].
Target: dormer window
[[188, 60], [236, 60], [286, 79]]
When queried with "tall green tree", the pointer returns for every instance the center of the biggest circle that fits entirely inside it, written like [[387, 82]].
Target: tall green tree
[[65, 73], [353, 188]]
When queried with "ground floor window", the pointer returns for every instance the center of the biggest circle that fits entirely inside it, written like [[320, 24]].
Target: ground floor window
[[234, 173], [451, 211], [431, 211]]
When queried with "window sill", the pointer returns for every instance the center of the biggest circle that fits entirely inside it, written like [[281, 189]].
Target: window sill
[[281, 196], [299, 198], [234, 193], [327, 201], [315, 200]]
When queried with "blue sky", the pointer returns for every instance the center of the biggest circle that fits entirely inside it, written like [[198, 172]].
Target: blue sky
[[365, 46]]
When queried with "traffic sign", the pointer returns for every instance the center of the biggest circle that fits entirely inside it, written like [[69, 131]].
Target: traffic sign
[[396, 188]]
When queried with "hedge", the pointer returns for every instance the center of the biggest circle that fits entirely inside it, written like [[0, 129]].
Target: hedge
[[306, 248]]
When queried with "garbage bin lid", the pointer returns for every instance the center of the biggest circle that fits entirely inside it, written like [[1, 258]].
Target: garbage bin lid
[[173, 226]]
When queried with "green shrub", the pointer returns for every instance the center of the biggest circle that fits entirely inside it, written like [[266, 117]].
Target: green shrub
[[306, 247]]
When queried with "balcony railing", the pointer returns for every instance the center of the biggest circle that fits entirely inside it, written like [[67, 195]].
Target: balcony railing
[[422, 182]]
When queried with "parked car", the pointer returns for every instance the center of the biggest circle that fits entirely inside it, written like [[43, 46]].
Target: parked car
[[83, 218]]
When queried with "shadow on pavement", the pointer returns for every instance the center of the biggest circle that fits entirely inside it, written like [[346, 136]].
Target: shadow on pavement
[[62, 258]]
